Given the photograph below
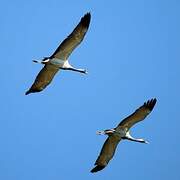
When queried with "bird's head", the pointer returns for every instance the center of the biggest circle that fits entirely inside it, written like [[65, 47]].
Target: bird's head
[[100, 132], [106, 132], [43, 61]]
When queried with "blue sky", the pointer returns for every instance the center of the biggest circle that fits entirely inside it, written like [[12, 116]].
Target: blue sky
[[131, 52]]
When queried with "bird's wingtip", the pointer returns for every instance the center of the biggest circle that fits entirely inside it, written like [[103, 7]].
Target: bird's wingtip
[[151, 103], [27, 92], [88, 14], [85, 20], [33, 90], [155, 100], [97, 168]]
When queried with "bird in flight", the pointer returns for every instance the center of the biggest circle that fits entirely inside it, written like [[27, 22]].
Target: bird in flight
[[59, 59], [121, 132]]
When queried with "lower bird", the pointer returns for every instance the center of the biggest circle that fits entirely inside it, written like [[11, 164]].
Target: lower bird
[[121, 132]]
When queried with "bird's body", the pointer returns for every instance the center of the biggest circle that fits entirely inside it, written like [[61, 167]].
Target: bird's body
[[59, 59], [60, 63], [121, 132]]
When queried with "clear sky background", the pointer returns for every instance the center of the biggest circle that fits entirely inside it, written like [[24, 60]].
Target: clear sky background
[[131, 52]]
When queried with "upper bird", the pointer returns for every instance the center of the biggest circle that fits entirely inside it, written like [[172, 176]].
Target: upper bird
[[59, 59], [121, 132]]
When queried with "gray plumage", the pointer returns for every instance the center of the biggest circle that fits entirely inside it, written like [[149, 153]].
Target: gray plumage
[[121, 132], [60, 57]]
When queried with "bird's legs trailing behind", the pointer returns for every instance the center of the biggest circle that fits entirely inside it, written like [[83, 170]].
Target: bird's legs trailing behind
[[74, 69], [129, 137]]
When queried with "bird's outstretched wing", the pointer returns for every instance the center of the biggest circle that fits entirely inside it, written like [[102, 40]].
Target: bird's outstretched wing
[[43, 79], [73, 40], [138, 115], [107, 153]]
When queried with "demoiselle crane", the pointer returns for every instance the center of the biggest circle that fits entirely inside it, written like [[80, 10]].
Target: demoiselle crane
[[59, 59], [121, 132]]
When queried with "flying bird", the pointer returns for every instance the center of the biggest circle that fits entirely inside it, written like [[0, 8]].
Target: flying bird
[[59, 59], [121, 132]]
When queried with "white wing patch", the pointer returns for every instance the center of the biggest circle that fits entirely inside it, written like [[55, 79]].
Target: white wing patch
[[60, 63]]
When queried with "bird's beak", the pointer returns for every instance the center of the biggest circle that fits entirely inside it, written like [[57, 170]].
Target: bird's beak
[[35, 61], [99, 132]]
